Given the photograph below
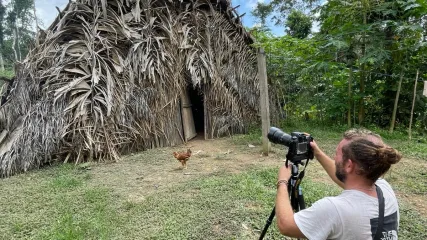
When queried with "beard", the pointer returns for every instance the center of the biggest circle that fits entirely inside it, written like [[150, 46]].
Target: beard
[[340, 173]]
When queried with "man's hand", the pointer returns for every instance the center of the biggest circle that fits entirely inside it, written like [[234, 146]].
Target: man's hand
[[327, 163], [285, 172], [315, 147]]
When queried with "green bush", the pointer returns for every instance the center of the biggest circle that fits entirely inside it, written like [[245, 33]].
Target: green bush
[[7, 73]]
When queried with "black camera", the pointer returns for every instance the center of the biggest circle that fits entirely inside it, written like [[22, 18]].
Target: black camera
[[299, 150], [298, 144]]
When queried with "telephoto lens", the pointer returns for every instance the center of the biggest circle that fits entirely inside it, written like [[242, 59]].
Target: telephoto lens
[[275, 135]]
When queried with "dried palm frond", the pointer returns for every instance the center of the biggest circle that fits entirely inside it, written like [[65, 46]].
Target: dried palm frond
[[106, 78]]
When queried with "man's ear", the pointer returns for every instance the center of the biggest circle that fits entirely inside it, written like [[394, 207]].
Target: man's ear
[[350, 166]]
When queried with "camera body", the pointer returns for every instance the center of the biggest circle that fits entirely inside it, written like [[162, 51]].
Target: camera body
[[298, 144]]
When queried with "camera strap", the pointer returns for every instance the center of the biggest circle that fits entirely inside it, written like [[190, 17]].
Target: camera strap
[[381, 214]]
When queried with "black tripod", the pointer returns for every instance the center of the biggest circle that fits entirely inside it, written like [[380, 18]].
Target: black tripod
[[295, 193]]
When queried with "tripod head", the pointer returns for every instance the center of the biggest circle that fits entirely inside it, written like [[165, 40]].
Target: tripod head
[[298, 144], [299, 149]]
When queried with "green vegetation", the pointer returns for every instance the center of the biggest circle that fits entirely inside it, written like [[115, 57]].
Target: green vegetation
[[55, 204], [7, 74], [359, 68], [218, 207], [17, 24], [62, 202], [327, 136]]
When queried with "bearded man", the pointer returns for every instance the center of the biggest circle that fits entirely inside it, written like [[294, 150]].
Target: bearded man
[[366, 209]]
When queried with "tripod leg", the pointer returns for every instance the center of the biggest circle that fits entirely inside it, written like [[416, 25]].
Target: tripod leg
[[294, 199], [269, 221], [301, 199]]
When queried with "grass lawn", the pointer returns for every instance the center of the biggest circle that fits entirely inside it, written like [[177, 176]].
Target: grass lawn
[[227, 192]]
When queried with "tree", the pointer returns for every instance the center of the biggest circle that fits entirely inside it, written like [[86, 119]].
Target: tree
[[2, 25], [35, 14], [375, 39], [16, 30], [280, 10], [361, 55], [262, 11], [20, 19], [406, 33], [298, 24]]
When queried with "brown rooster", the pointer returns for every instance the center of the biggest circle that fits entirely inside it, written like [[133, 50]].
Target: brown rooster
[[183, 157]]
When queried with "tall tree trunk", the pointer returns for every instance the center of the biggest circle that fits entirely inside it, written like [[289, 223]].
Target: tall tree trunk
[[14, 44], [363, 74], [1, 59], [35, 15], [350, 97], [17, 40], [37, 23], [17, 31], [362, 93], [413, 105], [396, 101], [2, 23]]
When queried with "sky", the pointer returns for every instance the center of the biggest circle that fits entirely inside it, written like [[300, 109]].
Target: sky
[[246, 6], [47, 12]]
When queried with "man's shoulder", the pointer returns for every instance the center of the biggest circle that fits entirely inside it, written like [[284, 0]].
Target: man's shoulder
[[391, 204], [382, 181], [321, 206], [350, 201], [327, 203], [384, 185]]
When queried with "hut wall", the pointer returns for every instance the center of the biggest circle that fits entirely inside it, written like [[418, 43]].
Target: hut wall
[[106, 79]]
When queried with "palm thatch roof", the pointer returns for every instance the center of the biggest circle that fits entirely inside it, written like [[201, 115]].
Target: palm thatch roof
[[106, 78]]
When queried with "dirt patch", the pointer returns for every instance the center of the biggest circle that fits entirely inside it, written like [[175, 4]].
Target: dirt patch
[[139, 175], [411, 174], [417, 202]]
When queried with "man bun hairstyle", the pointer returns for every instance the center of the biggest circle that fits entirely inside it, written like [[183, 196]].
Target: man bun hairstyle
[[374, 158], [389, 155]]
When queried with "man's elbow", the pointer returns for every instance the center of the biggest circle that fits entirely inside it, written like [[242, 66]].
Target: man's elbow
[[283, 226], [289, 228]]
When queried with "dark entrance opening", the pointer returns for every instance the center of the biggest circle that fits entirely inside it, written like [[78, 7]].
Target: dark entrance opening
[[196, 99]]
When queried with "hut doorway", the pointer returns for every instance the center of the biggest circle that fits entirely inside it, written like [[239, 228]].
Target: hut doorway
[[198, 109], [193, 118]]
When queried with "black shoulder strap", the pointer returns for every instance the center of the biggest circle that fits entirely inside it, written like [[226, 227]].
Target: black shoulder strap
[[381, 214]]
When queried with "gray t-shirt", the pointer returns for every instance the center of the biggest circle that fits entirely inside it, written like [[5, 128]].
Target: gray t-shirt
[[351, 215]]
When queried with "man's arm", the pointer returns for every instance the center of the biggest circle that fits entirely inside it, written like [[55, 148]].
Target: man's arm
[[284, 213], [327, 163]]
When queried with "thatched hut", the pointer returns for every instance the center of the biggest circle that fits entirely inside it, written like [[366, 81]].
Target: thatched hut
[[113, 76]]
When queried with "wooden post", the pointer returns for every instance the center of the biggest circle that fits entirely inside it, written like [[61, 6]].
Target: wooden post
[[413, 105], [396, 101], [350, 95], [264, 101]]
